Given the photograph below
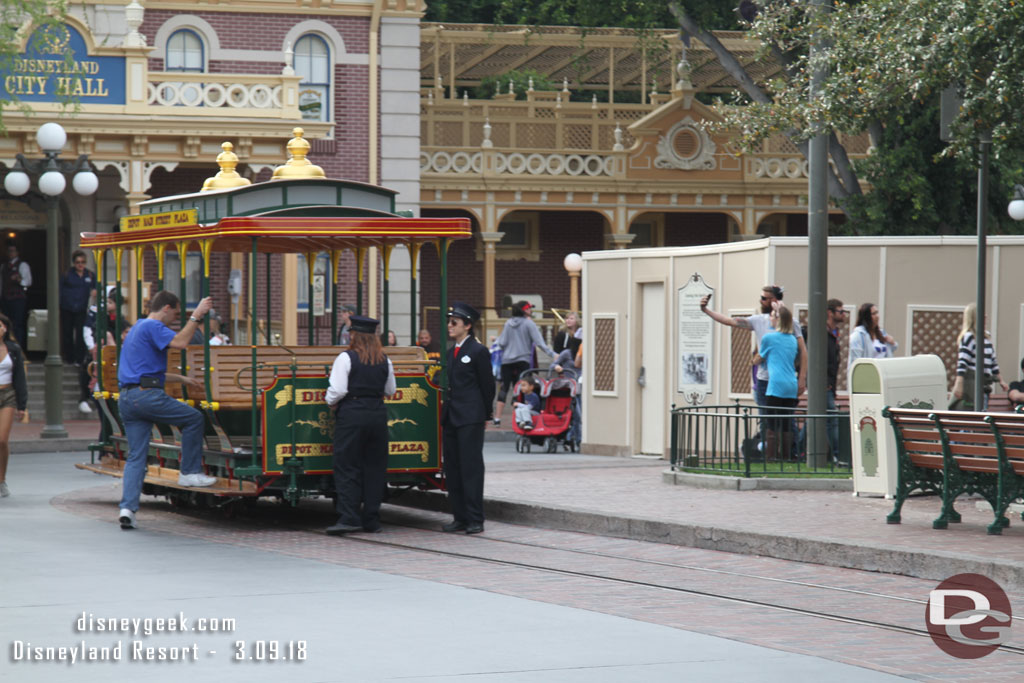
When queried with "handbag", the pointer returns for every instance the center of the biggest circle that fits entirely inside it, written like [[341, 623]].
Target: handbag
[[966, 402]]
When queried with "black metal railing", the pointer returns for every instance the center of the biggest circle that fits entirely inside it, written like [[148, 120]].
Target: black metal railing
[[736, 440]]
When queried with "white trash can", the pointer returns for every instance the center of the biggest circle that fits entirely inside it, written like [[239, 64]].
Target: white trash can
[[916, 382]]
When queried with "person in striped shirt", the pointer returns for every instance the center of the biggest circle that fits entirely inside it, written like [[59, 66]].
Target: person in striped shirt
[[966, 363]]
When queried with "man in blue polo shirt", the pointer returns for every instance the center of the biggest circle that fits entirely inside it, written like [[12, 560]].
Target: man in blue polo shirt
[[141, 374]]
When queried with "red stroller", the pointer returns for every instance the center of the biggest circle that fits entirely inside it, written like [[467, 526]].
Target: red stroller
[[550, 426]]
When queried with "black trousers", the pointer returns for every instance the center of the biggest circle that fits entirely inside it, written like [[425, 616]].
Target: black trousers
[[464, 471], [360, 461], [72, 343]]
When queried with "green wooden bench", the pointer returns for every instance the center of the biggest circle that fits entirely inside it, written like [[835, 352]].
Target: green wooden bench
[[952, 453]]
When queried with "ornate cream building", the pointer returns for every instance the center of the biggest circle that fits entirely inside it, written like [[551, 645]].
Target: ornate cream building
[[616, 155]]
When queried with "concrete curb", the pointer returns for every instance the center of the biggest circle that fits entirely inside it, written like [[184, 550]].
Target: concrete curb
[[933, 565], [720, 482], [51, 446]]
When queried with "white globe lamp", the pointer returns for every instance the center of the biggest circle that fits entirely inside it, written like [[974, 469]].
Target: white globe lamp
[[16, 183], [1016, 209], [85, 183], [573, 263], [51, 137], [52, 183]]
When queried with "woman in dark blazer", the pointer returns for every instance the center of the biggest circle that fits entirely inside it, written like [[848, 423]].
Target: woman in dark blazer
[[13, 395], [467, 407]]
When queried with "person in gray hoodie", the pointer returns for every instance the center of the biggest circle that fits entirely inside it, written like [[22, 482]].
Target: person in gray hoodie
[[517, 340]]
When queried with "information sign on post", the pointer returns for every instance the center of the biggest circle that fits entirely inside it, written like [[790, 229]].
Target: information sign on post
[[695, 341], [318, 294]]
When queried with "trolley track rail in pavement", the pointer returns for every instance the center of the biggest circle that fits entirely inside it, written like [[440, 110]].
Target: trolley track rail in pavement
[[484, 541]]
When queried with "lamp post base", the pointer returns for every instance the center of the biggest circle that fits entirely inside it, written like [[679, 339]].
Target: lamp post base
[[53, 432]]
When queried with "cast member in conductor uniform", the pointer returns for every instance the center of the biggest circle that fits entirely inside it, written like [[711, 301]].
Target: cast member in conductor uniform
[[360, 379], [468, 406], [141, 374]]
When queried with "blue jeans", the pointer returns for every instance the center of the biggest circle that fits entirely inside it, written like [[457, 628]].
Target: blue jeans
[[139, 409], [831, 427]]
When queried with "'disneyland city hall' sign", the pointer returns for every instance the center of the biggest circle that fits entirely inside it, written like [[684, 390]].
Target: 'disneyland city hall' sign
[[57, 65]]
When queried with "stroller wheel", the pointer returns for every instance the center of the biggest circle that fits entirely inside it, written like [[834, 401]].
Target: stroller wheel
[[551, 444]]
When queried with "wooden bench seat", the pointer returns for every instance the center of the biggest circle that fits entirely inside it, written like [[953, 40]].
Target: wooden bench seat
[[952, 453], [231, 367]]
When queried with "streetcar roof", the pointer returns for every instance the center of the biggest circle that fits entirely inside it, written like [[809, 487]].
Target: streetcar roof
[[290, 234]]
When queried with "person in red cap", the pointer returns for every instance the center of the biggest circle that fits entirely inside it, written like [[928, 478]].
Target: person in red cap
[[467, 407], [517, 340]]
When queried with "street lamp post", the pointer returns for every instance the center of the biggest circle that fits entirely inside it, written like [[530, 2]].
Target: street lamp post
[[573, 264], [51, 138]]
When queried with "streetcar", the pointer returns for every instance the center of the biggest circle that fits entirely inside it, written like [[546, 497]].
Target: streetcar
[[268, 428]]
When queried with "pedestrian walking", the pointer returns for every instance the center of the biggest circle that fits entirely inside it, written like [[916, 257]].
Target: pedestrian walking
[[517, 339], [868, 339], [13, 395], [141, 374], [835, 316], [15, 278], [360, 379], [77, 288], [467, 407], [967, 363]]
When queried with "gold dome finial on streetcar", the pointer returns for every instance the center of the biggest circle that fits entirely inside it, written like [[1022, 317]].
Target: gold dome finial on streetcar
[[227, 176], [298, 166]]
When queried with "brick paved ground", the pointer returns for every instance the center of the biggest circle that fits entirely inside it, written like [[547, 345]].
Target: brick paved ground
[[849, 593]]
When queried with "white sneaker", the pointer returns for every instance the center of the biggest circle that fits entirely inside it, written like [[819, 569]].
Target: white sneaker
[[196, 479], [127, 519], [84, 407], [4, 491]]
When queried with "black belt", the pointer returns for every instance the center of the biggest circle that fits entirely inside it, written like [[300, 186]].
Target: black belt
[[377, 396], [126, 387]]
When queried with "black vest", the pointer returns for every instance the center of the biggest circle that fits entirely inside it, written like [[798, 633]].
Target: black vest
[[12, 288], [366, 381]]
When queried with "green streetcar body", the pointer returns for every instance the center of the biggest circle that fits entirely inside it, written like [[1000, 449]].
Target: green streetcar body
[[273, 392]]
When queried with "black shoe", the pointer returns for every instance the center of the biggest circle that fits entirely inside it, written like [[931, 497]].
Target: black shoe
[[474, 528], [340, 529], [454, 526], [373, 529]]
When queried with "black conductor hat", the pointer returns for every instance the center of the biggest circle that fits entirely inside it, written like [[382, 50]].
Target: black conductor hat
[[460, 309], [360, 323]]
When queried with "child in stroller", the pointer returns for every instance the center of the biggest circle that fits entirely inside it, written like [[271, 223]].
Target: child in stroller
[[527, 404], [552, 424]]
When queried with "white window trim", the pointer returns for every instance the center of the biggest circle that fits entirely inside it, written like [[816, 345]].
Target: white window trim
[[531, 252], [339, 54]]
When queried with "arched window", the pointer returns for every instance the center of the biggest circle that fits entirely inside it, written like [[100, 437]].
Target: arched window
[[313, 64], [184, 52]]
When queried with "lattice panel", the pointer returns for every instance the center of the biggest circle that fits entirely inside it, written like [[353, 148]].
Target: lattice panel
[[936, 332], [742, 360], [447, 134], [499, 134], [578, 137], [844, 349], [856, 144], [780, 145], [604, 354], [535, 135]]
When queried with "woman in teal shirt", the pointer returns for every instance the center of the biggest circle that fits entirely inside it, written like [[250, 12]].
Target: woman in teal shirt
[[779, 350]]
